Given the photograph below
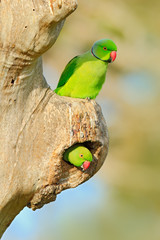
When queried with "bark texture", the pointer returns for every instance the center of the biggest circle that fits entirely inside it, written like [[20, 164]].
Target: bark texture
[[36, 125]]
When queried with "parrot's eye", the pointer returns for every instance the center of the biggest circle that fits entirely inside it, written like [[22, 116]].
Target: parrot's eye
[[104, 48], [81, 155]]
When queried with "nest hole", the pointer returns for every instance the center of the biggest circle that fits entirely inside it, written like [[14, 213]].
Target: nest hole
[[93, 147], [69, 176]]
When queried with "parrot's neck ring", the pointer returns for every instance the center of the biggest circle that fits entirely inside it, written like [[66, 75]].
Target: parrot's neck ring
[[107, 61]]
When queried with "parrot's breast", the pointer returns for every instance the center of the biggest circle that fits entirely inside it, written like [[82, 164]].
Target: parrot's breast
[[87, 78]]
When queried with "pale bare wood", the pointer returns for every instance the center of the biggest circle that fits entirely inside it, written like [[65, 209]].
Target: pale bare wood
[[36, 125]]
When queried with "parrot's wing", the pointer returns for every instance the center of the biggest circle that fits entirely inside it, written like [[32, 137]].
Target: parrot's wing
[[68, 71]]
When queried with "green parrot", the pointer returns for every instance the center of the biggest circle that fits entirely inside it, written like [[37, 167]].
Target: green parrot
[[79, 156], [84, 75]]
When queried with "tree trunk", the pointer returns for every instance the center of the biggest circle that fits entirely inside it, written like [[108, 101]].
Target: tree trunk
[[36, 125]]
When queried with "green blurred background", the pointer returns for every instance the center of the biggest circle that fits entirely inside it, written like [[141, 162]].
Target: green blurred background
[[122, 202]]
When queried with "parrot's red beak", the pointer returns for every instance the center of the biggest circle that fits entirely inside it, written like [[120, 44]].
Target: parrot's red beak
[[113, 55], [86, 165]]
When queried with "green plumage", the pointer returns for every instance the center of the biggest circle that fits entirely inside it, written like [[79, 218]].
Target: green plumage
[[79, 156], [84, 75]]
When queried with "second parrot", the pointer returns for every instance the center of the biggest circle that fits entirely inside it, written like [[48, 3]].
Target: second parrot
[[79, 156]]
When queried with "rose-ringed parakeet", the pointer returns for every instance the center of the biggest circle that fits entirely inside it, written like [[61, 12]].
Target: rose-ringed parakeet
[[84, 75], [79, 156]]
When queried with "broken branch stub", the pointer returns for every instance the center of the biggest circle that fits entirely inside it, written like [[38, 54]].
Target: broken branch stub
[[37, 125]]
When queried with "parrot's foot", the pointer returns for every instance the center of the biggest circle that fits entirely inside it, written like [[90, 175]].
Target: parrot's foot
[[88, 98]]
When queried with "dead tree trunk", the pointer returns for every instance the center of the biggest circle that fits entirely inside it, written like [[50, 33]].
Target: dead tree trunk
[[36, 125]]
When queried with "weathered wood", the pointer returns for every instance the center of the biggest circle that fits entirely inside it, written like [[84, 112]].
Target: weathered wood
[[36, 125]]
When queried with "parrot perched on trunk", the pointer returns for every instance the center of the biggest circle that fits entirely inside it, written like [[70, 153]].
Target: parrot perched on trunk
[[79, 156], [85, 74]]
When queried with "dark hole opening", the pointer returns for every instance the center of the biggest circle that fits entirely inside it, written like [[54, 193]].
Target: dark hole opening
[[92, 146], [12, 82]]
